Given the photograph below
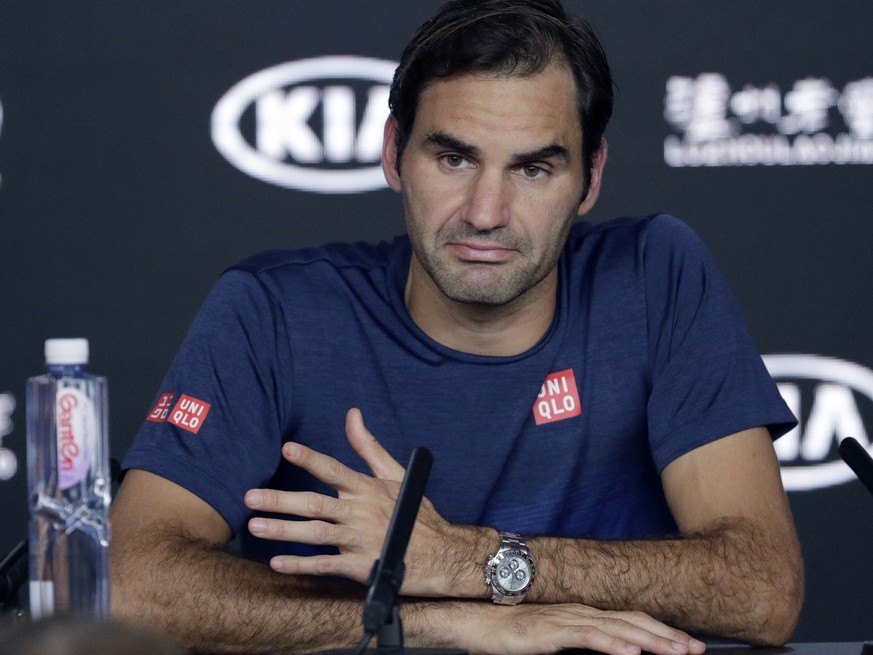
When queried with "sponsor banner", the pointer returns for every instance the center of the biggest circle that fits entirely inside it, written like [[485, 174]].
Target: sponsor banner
[[7, 406], [833, 399], [8, 460], [312, 124], [813, 122]]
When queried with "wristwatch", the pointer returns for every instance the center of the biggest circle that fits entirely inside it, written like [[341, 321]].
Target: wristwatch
[[510, 571]]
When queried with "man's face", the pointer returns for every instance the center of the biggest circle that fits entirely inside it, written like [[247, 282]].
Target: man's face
[[492, 178]]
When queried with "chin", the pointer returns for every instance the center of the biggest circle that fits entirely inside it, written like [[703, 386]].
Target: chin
[[481, 297]]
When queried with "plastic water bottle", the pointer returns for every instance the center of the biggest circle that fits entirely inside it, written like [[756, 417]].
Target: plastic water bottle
[[69, 484]]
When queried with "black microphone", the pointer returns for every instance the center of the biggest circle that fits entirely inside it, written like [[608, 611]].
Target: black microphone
[[859, 460]]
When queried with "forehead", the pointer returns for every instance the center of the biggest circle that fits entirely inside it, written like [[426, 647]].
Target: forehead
[[520, 112]]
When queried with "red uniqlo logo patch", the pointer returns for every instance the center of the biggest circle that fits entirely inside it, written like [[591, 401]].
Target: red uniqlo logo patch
[[189, 413], [161, 410], [558, 398]]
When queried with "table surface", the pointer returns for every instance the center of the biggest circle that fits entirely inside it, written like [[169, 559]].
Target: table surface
[[846, 648]]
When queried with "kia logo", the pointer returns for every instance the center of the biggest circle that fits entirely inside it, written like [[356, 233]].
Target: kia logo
[[313, 124], [831, 397]]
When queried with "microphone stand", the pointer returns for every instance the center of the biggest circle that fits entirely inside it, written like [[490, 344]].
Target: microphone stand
[[382, 609], [382, 606]]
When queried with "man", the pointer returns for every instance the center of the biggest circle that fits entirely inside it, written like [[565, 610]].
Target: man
[[591, 388]]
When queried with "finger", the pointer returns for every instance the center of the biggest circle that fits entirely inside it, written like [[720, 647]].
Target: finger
[[325, 468], [307, 504], [619, 635], [334, 565], [371, 451], [652, 625], [316, 533]]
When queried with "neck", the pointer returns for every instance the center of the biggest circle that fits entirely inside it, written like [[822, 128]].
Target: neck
[[499, 331]]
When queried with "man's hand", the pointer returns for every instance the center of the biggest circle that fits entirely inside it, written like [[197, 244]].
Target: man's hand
[[357, 519], [484, 628]]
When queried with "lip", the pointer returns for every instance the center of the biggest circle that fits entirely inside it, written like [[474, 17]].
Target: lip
[[481, 253]]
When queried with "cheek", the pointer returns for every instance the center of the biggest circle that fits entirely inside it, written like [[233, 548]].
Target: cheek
[[421, 214], [429, 206], [550, 225]]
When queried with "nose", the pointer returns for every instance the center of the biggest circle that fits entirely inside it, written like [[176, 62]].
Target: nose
[[487, 204]]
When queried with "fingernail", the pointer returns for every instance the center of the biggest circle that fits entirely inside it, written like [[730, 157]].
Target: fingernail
[[276, 564], [291, 449], [254, 498], [694, 643], [257, 526]]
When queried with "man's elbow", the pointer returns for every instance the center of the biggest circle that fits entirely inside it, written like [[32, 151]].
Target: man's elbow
[[778, 610]]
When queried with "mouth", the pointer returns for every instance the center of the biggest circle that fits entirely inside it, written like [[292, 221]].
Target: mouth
[[481, 253]]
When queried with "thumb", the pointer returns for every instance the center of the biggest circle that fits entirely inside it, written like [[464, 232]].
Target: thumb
[[371, 451]]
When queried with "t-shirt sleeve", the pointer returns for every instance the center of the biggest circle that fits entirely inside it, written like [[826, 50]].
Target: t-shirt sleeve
[[216, 427], [708, 380]]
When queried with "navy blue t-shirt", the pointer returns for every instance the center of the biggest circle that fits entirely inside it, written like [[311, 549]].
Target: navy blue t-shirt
[[646, 359]]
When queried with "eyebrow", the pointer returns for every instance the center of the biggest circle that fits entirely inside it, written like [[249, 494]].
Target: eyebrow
[[445, 140], [553, 151]]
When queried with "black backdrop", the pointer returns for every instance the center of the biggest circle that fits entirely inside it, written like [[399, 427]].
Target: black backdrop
[[751, 121]]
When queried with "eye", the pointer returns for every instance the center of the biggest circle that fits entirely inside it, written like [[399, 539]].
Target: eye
[[531, 171], [454, 161]]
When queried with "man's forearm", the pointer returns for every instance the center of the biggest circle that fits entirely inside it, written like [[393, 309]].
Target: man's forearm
[[735, 580], [209, 600]]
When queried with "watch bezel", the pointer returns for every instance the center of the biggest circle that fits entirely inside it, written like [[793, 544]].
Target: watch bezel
[[493, 565]]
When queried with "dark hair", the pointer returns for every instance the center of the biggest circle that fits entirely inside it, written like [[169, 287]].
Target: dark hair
[[505, 37]]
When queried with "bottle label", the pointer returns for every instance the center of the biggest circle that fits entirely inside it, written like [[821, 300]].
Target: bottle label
[[77, 434]]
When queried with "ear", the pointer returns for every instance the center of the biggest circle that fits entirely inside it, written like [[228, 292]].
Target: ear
[[389, 153], [597, 166]]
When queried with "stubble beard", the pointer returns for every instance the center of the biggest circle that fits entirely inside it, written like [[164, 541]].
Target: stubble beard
[[482, 284]]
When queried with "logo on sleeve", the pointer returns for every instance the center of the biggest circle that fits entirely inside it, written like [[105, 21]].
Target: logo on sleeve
[[558, 398], [189, 413], [161, 410]]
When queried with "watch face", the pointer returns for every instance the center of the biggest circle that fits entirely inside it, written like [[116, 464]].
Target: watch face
[[512, 574]]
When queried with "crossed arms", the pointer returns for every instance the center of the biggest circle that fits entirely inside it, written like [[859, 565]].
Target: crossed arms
[[735, 571]]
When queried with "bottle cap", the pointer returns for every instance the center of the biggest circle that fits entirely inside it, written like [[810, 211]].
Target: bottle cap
[[66, 351]]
